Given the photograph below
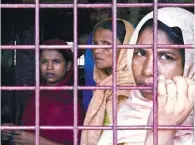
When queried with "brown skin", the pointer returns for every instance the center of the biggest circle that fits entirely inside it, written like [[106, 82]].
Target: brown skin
[[175, 93], [96, 16], [53, 66], [51, 61], [103, 57], [169, 61]]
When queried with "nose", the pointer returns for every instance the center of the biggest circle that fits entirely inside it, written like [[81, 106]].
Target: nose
[[98, 51], [49, 65], [148, 67]]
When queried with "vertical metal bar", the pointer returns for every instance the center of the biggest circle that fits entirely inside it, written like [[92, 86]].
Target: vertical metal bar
[[75, 75], [194, 69], [37, 85], [155, 70], [114, 72]]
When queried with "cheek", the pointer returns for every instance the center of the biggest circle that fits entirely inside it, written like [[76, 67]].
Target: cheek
[[108, 57], [60, 68], [136, 68], [169, 70], [42, 68]]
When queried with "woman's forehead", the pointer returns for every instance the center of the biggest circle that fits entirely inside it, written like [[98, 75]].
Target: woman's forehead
[[51, 54], [103, 33], [146, 37]]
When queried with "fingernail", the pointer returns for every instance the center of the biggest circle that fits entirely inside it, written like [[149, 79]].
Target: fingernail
[[161, 77], [168, 81]]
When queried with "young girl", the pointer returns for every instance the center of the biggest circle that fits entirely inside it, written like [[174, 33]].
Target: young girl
[[99, 112], [176, 88], [56, 106]]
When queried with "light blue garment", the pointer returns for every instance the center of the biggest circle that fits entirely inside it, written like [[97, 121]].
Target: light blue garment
[[88, 72]]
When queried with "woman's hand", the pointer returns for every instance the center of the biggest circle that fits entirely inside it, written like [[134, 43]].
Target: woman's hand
[[191, 73], [175, 99], [23, 138], [6, 133], [175, 103]]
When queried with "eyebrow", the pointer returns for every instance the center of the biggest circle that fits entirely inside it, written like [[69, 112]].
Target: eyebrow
[[103, 41], [167, 52], [160, 52], [50, 59]]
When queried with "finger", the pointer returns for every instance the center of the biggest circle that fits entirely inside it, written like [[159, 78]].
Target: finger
[[182, 89], [5, 137], [171, 94], [193, 77], [16, 137], [191, 72], [17, 142], [16, 132], [162, 92], [189, 81], [6, 132], [191, 95]]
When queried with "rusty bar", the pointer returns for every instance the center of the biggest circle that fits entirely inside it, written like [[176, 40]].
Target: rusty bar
[[155, 75], [75, 130], [37, 85], [134, 127], [114, 71], [19, 88], [27, 47], [119, 5]]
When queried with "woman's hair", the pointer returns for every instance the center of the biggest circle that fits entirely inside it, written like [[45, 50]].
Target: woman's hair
[[66, 53], [174, 33], [121, 29]]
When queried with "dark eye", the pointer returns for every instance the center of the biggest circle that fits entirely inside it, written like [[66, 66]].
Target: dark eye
[[141, 53], [165, 57], [56, 61], [43, 61], [106, 43]]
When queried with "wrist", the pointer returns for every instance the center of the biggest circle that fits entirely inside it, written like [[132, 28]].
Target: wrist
[[165, 137]]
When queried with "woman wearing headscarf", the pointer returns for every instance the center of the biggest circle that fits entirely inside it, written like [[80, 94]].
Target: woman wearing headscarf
[[56, 106], [175, 83], [100, 108]]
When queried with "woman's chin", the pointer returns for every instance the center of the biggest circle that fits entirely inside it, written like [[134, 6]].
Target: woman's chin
[[148, 94]]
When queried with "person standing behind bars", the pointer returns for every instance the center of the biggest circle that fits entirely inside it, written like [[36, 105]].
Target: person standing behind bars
[[96, 16], [99, 112], [56, 106], [176, 83]]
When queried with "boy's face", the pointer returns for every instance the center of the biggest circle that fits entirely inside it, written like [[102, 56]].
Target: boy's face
[[98, 15], [170, 61], [53, 66]]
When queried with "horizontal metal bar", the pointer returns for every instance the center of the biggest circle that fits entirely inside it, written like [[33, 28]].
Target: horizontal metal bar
[[20, 88], [119, 5], [26, 47], [137, 127]]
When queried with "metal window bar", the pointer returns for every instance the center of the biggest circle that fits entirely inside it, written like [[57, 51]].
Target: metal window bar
[[37, 86]]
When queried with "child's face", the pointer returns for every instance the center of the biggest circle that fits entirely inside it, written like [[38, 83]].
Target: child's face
[[169, 61], [53, 66], [103, 56]]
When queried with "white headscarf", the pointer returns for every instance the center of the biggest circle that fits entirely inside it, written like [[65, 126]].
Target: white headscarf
[[136, 110]]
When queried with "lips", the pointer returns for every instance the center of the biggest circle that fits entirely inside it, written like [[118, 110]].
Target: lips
[[147, 85], [50, 75], [98, 58]]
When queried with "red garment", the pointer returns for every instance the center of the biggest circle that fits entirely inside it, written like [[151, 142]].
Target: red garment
[[56, 109]]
